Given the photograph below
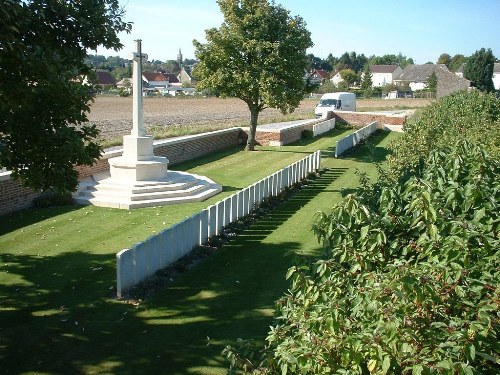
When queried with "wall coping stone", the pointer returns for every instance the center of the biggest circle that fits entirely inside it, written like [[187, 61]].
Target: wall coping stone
[[5, 176]]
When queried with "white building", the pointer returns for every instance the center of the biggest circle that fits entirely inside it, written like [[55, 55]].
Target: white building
[[383, 75], [336, 78], [496, 76]]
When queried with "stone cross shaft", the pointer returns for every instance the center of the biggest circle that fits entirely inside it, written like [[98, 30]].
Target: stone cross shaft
[[138, 123]]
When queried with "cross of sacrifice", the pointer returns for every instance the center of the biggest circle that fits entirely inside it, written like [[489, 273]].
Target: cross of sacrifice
[[137, 57]]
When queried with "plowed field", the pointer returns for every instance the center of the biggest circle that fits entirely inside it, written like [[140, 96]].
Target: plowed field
[[113, 115]]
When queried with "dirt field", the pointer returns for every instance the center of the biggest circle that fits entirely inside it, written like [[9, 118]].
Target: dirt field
[[113, 115]]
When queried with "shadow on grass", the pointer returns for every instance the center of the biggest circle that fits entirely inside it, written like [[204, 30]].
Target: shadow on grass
[[206, 159], [31, 216], [366, 151], [58, 316]]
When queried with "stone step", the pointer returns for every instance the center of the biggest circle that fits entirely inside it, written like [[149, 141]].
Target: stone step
[[176, 187], [127, 203], [137, 195], [142, 188]]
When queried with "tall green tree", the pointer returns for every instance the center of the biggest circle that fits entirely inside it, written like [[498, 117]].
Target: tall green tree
[[432, 82], [367, 82], [258, 54], [349, 76], [479, 70], [456, 62], [43, 101]]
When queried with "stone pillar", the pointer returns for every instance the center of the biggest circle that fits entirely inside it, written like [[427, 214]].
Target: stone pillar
[[137, 110]]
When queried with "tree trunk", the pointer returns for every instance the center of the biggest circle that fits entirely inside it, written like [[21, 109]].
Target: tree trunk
[[254, 115]]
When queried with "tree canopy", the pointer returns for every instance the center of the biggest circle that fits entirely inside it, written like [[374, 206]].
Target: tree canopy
[[258, 55], [479, 70], [43, 101], [349, 76], [445, 59]]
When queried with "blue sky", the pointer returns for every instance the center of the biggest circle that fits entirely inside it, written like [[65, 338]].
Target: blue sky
[[421, 29]]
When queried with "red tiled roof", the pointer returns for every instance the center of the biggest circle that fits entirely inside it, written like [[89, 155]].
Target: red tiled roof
[[155, 77], [160, 77], [322, 73]]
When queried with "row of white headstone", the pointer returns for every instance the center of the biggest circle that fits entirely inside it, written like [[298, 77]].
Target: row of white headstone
[[351, 140], [323, 127], [159, 251]]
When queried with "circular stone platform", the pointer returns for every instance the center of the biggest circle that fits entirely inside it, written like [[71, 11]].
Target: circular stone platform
[[177, 187]]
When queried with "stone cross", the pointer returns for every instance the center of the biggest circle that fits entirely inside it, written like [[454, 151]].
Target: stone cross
[[137, 57]]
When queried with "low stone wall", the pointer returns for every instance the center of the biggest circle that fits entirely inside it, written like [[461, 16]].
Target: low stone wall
[[15, 197], [353, 139], [145, 258], [363, 118], [288, 134]]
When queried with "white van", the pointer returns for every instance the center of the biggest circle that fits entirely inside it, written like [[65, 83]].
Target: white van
[[336, 101]]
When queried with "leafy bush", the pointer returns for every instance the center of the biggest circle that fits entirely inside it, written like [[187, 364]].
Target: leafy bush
[[53, 198], [307, 134], [409, 283], [472, 116]]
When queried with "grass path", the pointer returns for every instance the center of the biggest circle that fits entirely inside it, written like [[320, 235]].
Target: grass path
[[56, 314]]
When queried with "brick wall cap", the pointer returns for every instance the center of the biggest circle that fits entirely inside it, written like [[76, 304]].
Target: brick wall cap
[[289, 127], [172, 141], [5, 176]]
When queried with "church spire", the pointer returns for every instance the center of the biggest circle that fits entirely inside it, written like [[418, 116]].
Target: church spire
[[179, 58]]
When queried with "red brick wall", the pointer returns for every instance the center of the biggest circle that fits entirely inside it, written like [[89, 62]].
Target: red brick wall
[[285, 136], [180, 150], [14, 197]]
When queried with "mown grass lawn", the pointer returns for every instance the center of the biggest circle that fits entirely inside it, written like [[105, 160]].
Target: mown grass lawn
[[57, 310]]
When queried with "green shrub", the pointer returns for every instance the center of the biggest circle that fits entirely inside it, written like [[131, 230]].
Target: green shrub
[[53, 198], [409, 283], [307, 134], [461, 116]]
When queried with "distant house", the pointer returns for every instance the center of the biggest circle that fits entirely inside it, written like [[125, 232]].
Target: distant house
[[318, 76], [383, 75], [176, 90], [155, 80], [124, 83], [185, 76], [105, 80], [448, 83], [416, 76], [496, 76], [336, 78]]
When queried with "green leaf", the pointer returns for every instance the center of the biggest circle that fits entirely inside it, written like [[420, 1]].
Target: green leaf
[[364, 232], [471, 349], [480, 214], [372, 363], [417, 370], [386, 364], [290, 272], [444, 364]]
